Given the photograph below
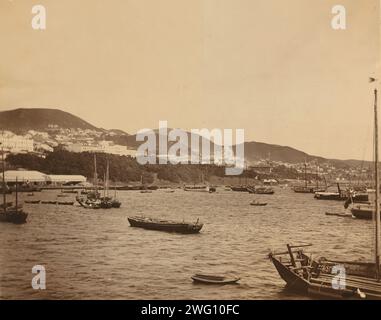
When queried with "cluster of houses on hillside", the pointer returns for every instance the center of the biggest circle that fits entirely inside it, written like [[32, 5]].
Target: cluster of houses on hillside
[[73, 140]]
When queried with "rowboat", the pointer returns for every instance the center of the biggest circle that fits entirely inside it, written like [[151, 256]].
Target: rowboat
[[214, 279], [339, 214], [258, 204], [32, 201], [165, 225], [48, 202], [65, 203]]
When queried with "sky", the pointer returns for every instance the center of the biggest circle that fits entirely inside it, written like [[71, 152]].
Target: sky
[[274, 68]]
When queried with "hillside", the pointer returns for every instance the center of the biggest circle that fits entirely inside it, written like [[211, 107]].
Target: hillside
[[21, 120]]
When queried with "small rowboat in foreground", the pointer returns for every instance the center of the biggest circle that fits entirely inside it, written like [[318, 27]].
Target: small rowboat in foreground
[[165, 225], [214, 279]]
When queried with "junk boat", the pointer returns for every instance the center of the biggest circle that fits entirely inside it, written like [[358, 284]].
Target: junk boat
[[308, 276], [165, 225], [322, 276]]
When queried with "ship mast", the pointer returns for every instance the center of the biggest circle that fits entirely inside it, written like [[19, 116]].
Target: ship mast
[[4, 185], [377, 206], [305, 174], [95, 174]]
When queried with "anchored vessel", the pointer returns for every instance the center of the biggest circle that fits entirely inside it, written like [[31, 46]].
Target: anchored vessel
[[362, 279], [306, 188], [342, 195], [214, 279], [9, 213], [165, 225]]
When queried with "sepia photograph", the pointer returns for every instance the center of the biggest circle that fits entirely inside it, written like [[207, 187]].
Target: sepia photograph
[[190, 150]]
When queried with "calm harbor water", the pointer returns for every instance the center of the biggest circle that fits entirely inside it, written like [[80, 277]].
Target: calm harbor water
[[95, 254]]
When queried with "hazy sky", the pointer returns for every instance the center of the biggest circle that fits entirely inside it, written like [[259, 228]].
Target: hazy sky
[[275, 68]]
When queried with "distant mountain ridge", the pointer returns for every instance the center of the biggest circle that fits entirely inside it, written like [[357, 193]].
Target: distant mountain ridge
[[21, 120]]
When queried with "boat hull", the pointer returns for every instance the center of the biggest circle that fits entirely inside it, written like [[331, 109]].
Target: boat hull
[[13, 216], [363, 214], [317, 278], [185, 228]]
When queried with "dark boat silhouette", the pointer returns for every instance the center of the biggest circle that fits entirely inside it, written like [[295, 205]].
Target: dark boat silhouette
[[165, 225]]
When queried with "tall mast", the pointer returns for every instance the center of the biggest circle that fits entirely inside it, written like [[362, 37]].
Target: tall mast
[[317, 176], [95, 173], [104, 185], [108, 176], [305, 173], [376, 175], [4, 185], [17, 194]]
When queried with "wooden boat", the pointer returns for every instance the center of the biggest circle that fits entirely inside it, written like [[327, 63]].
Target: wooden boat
[[146, 191], [342, 195], [200, 188], [306, 188], [363, 211], [65, 203], [13, 215], [32, 201], [90, 204], [165, 225], [93, 199], [239, 188], [115, 203], [305, 275], [263, 190], [339, 214], [72, 191], [356, 280], [49, 202], [10, 214], [257, 203], [214, 279]]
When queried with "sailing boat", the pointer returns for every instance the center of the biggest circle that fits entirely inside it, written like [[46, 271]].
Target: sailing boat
[[320, 277], [8, 213], [306, 188], [91, 201], [201, 187], [108, 202]]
